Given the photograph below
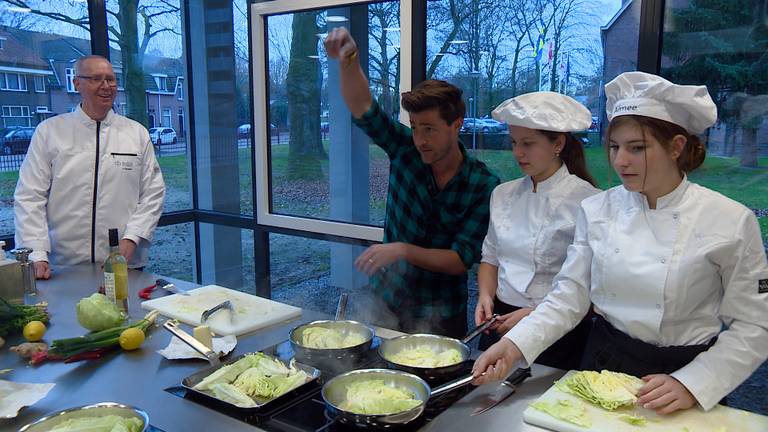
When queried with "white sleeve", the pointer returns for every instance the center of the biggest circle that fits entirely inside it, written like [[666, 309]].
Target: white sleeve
[[30, 200], [489, 244], [565, 306], [743, 346], [143, 222]]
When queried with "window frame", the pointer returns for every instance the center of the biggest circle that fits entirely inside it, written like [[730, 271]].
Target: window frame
[[260, 131], [10, 115], [70, 76], [41, 79]]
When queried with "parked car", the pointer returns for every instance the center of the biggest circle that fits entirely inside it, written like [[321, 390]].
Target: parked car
[[491, 125], [244, 131], [595, 123], [162, 135], [325, 126], [483, 125], [16, 140]]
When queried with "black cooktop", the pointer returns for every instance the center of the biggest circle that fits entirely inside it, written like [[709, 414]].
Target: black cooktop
[[306, 411]]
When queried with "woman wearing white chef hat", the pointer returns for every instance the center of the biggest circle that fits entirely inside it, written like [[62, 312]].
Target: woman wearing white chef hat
[[533, 218], [677, 273]]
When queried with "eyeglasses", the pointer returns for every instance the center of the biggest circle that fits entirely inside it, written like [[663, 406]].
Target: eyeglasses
[[111, 81]]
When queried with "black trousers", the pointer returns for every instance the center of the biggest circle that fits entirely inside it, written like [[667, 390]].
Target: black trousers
[[565, 354]]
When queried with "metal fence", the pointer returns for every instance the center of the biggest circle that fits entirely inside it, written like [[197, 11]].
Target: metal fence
[[11, 162]]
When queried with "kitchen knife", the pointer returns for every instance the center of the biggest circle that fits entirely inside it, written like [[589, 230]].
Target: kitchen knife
[[164, 284], [506, 388]]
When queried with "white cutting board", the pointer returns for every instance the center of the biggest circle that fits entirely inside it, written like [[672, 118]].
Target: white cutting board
[[695, 419], [251, 312]]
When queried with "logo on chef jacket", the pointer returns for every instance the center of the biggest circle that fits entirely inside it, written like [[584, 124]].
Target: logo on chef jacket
[[762, 286], [123, 161]]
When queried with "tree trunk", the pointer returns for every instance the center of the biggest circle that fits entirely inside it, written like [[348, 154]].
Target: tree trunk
[[749, 148], [132, 59], [305, 148]]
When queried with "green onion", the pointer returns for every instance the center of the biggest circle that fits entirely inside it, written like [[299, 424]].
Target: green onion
[[96, 340]]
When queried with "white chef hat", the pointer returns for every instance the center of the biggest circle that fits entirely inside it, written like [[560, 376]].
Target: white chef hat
[[640, 93], [548, 111]]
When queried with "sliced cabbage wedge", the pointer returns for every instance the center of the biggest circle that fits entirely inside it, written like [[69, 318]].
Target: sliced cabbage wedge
[[255, 377], [565, 410], [226, 374], [233, 395], [426, 357], [325, 338], [634, 420], [109, 423], [607, 389], [375, 397]]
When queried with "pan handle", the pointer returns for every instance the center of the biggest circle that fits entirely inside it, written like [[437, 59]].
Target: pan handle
[[341, 308], [461, 382], [210, 355], [474, 333]]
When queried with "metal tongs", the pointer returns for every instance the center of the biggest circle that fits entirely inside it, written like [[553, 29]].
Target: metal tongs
[[210, 355], [224, 305]]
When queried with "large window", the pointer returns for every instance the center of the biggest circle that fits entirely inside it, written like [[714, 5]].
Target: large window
[[173, 252], [150, 34], [723, 47], [38, 46], [314, 163], [497, 49]]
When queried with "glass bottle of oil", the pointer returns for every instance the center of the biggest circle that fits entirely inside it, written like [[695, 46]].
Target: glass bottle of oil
[[116, 274]]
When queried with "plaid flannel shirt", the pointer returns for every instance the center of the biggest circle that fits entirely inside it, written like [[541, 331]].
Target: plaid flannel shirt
[[418, 213]]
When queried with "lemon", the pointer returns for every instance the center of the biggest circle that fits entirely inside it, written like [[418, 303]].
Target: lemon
[[34, 331], [131, 338]]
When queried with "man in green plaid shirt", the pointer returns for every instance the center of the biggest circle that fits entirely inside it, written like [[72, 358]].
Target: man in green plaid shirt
[[437, 203]]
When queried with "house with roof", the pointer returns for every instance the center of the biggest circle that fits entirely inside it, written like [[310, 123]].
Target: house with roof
[[37, 72]]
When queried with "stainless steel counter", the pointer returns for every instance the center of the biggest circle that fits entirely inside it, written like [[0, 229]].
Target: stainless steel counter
[[139, 377]]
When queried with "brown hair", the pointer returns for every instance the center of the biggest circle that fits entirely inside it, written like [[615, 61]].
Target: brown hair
[[572, 155], [693, 153], [431, 94]]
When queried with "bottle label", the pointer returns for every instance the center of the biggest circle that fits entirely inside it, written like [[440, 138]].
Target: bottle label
[[109, 286]]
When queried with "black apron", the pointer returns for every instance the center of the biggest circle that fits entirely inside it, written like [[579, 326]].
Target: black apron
[[612, 349], [566, 353]]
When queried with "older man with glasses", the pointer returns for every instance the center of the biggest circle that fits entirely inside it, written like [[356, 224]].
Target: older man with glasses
[[86, 172]]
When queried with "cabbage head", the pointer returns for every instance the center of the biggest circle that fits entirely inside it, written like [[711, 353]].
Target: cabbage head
[[97, 313]]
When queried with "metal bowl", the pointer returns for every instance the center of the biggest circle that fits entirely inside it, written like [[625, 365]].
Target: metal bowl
[[96, 410], [335, 392], [344, 326], [390, 347]]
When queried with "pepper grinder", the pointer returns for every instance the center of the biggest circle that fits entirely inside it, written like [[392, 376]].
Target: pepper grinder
[[27, 270]]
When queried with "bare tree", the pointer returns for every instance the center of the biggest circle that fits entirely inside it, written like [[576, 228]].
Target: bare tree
[[518, 24], [385, 69], [571, 21], [156, 17], [305, 148], [448, 17]]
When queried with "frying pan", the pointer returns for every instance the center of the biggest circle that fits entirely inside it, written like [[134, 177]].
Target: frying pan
[[436, 343], [334, 393]]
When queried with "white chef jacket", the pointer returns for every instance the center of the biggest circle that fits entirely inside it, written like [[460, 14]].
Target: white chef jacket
[[674, 275], [529, 232], [60, 209]]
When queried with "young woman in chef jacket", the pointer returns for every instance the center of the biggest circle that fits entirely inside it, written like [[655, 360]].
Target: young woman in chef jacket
[[533, 218], [677, 273]]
